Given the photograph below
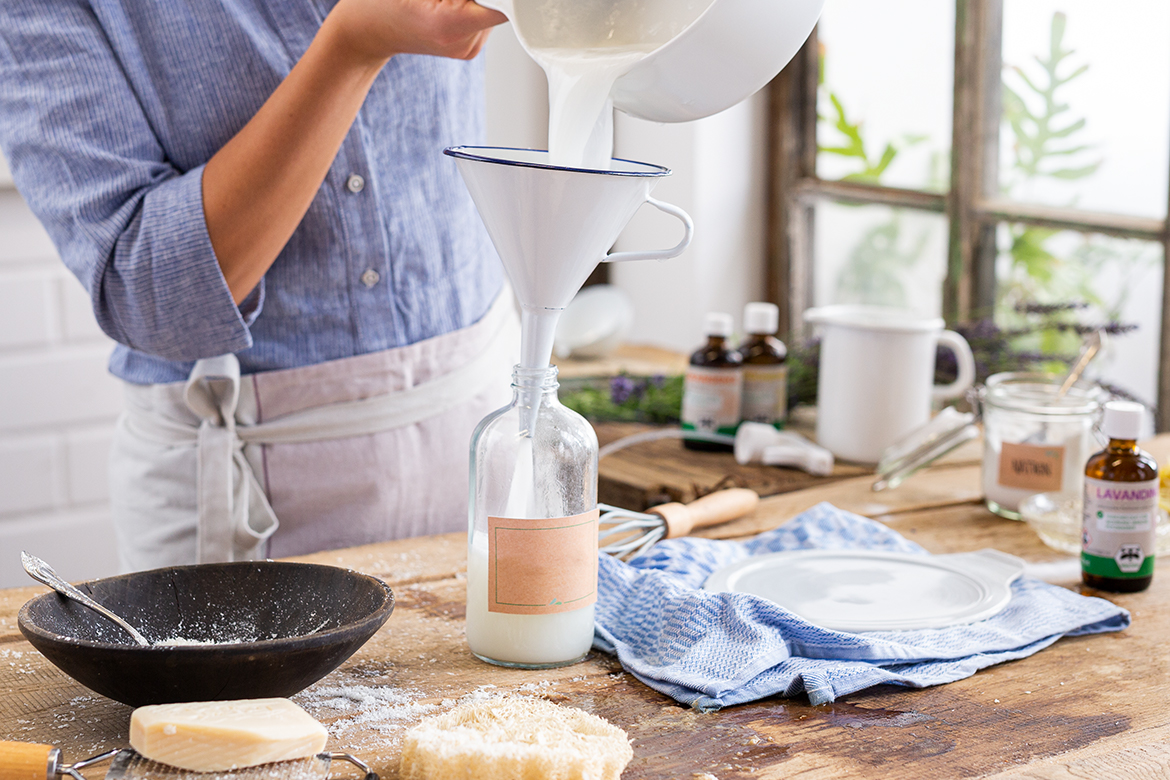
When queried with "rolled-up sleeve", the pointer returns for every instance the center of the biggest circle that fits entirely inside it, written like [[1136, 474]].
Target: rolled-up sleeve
[[126, 221]]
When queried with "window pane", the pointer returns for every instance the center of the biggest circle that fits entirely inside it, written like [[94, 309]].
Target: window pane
[[1111, 280], [885, 101], [1087, 104], [880, 255]]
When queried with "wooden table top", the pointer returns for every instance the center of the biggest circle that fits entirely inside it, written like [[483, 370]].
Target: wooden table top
[[1086, 707]]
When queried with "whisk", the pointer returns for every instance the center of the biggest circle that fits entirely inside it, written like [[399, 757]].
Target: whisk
[[633, 533]]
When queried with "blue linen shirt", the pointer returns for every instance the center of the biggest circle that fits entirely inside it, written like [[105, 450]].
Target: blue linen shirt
[[109, 110]]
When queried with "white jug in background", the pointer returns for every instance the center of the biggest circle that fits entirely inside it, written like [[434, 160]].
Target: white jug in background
[[875, 382]]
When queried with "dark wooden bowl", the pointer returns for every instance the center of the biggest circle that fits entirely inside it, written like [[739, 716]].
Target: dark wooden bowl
[[276, 627]]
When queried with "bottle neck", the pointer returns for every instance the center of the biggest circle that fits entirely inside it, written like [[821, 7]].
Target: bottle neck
[[716, 342], [1122, 445], [535, 380]]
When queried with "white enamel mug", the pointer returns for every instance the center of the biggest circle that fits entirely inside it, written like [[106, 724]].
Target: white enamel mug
[[875, 381]]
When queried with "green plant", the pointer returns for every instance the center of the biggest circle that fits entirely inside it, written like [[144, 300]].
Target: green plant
[[1047, 266], [1043, 146], [877, 264], [629, 399], [852, 146]]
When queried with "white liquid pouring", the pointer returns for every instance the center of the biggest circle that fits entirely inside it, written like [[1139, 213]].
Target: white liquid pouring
[[580, 114]]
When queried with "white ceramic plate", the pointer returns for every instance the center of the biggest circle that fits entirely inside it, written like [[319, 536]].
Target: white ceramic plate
[[862, 590]]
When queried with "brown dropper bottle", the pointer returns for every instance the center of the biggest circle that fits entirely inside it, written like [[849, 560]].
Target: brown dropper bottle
[[1121, 507], [765, 368], [713, 386]]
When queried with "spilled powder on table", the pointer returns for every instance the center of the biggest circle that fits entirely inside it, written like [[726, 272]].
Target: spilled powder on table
[[372, 719], [364, 717]]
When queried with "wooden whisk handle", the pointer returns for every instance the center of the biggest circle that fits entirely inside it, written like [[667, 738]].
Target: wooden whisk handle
[[712, 509], [27, 761]]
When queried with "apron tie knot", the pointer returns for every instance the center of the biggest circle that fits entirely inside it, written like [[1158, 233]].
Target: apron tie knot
[[235, 518]]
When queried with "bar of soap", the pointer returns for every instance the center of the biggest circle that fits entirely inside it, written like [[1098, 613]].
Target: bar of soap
[[214, 736]]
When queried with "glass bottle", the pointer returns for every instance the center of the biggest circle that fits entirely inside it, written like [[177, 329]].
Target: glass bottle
[[532, 540], [765, 367], [1121, 507], [713, 386]]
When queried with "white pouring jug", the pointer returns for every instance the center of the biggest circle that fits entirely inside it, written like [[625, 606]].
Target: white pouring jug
[[875, 380], [709, 54]]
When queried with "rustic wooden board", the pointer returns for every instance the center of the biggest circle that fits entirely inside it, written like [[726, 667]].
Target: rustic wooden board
[[1086, 707], [660, 471], [657, 472]]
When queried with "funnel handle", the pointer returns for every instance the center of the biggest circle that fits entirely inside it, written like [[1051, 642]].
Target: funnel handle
[[659, 254]]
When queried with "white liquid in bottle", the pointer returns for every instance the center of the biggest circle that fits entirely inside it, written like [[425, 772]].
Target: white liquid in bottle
[[528, 640], [534, 465]]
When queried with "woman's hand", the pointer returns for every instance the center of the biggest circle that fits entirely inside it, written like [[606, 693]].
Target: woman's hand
[[375, 30]]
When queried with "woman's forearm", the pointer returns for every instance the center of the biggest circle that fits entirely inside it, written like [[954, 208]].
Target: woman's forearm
[[259, 185]]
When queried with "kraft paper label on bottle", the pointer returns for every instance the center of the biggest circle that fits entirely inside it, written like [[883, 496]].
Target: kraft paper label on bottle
[[1120, 522], [1031, 467], [765, 393], [542, 566], [711, 399]]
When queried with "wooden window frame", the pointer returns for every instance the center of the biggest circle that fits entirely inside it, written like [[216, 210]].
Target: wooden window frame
[[973, 205]]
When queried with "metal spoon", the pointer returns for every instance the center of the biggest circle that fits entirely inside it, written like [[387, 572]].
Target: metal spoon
[[43, 572], [1089, 350]]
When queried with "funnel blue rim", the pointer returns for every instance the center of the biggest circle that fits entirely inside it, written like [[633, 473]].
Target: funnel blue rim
[[470, 153]]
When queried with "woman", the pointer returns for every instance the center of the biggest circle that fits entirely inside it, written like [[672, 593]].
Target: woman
[[310, 319]]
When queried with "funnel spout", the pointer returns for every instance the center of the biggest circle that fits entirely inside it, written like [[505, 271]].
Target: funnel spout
[[537, 332]]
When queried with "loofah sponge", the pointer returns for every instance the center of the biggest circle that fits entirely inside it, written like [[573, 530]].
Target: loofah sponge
[[514, 739]]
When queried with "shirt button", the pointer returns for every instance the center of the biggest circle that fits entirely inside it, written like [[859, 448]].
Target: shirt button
[[371, 277], [355, 183]]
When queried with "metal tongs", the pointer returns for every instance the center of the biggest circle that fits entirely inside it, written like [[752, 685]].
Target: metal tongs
[[26, 761], [948, 430], [951, 428]]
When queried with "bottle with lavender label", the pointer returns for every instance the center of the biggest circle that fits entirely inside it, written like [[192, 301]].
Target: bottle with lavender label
[[1121, 505]]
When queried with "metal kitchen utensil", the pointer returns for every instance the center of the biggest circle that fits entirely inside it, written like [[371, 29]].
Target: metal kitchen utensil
[[633, 533], [950, 428], [1089, 349], [43, 573], [26, 761], [904, 458]]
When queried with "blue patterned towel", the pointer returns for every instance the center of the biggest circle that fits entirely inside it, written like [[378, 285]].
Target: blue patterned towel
[[712, 650]]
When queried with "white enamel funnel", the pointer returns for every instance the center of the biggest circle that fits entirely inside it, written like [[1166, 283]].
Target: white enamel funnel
[[551, 227]]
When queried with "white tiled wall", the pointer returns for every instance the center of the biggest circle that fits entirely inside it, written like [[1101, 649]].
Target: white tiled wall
[[57, 408]]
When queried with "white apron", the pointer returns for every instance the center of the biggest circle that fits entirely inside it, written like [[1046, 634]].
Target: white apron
[[345, 452]]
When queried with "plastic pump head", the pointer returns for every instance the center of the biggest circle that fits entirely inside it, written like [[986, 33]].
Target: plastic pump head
[[761, 443]]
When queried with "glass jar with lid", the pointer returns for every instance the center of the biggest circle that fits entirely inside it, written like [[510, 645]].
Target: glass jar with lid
[[1036, 440]]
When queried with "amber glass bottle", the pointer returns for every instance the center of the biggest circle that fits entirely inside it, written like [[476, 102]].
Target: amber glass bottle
[[765, 370], [714, 384], [1121, 507]]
